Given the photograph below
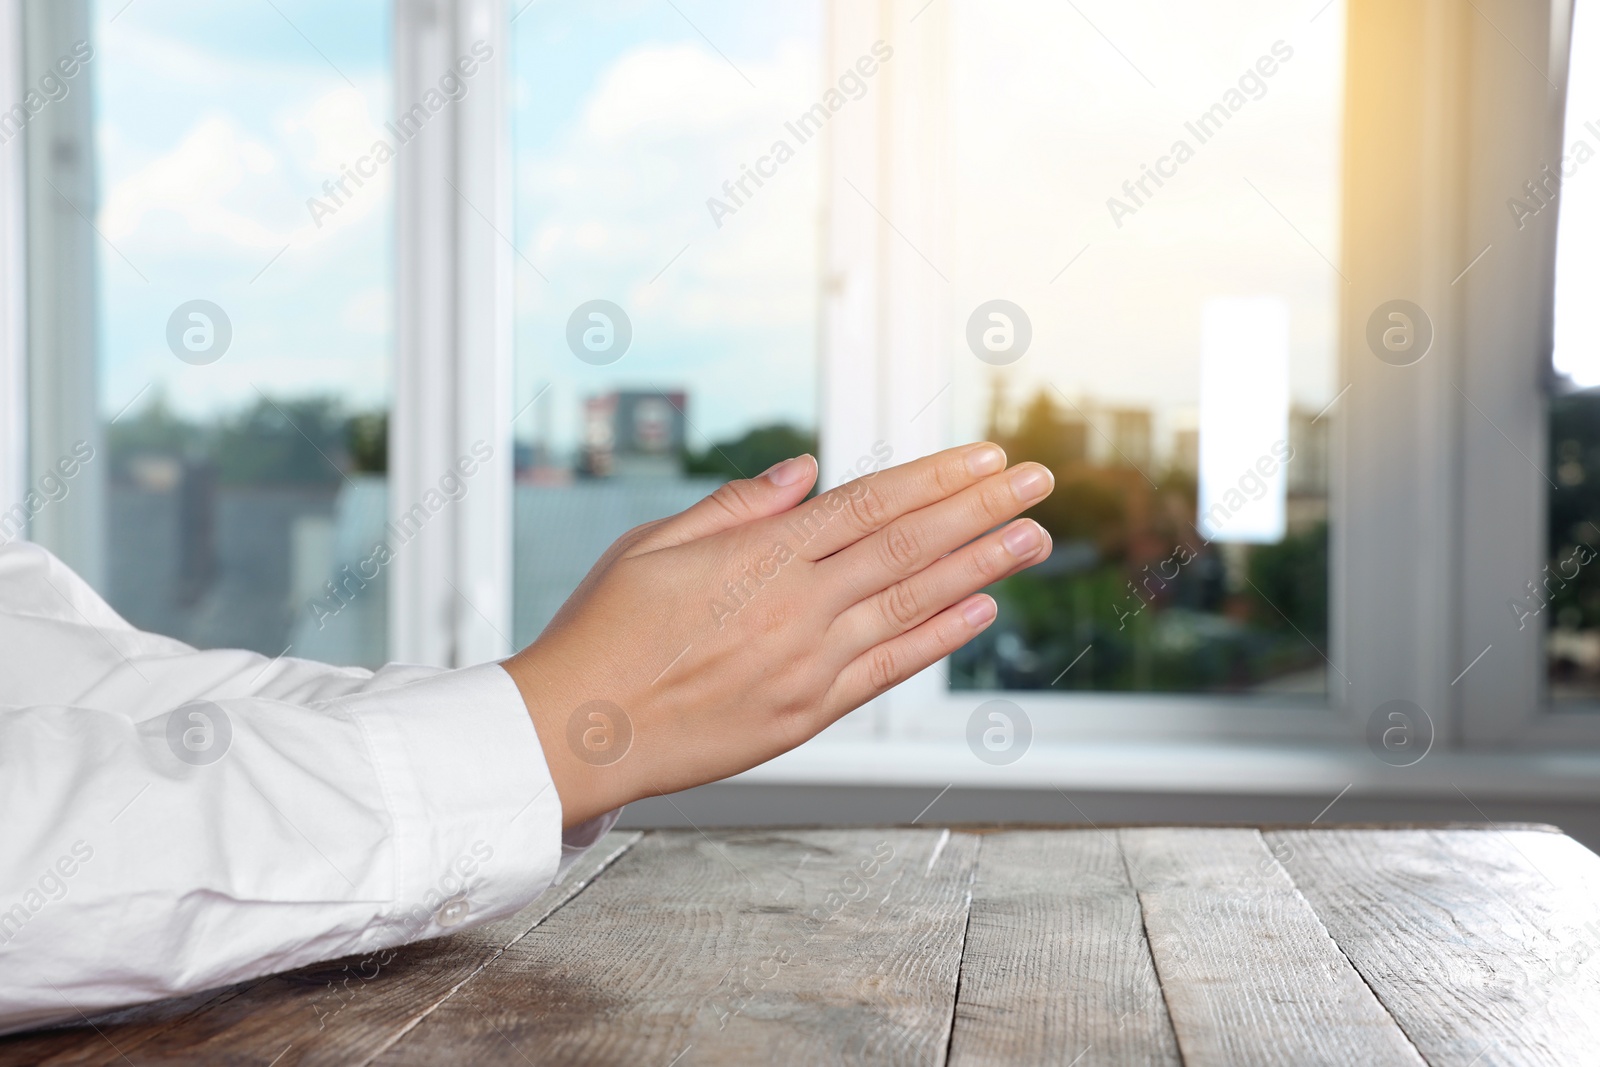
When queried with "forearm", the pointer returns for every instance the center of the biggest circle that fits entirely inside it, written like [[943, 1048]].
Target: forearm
[[318, 831]]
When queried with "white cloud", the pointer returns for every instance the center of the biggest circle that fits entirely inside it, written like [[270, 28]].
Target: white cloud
[[685, 90], [217, 179], [340, 127], [192, 181], [626, 189], [613, 198]]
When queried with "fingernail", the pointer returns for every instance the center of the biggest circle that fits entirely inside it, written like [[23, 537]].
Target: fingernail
[[986, 459], [1030, 483], [788, 472], [1022, 539], [978, 612]]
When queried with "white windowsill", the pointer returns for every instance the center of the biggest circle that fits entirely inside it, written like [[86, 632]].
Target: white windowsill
[[1190, 767]]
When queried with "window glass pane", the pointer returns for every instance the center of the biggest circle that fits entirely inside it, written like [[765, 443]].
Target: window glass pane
[[664, 344], [1567, 596], [1151, 191], [238, 287]]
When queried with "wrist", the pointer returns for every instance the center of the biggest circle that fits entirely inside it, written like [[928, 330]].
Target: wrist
[[589, 783]]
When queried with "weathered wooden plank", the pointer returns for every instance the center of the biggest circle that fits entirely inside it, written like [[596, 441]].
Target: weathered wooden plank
[[342, 1012], [1056, 968], [91, 1041], [1484, 946], [1249, 974], [837, 946]]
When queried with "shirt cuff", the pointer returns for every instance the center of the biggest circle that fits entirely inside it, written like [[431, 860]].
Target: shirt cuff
[[477, 821], [582, 837]]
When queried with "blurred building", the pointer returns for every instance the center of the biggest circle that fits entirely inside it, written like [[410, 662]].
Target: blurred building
[[634, 434], [1125, 439], [207, 563], [1307, 504], [1186, 450], [563, 529]]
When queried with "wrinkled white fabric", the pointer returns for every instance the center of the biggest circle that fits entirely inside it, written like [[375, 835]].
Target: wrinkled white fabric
[[175, 820]]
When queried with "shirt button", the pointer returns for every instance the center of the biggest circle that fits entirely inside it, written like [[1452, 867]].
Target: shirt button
[[452, 911]]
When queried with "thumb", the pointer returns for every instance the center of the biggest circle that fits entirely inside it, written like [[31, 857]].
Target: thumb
[[775, 490]]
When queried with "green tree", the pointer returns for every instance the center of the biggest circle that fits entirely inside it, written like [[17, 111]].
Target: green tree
[[1292, 578], [1574, 463], [155, 429], [749, 455], [367, 437], [1088, 503], [298, 442]]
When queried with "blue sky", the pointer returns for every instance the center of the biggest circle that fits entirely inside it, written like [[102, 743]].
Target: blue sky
[[625, 120], [215, 123]]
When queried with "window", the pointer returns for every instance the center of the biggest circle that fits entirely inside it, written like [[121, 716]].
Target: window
[[1147, 289], [209, 298], [640, 249], [667, 274]]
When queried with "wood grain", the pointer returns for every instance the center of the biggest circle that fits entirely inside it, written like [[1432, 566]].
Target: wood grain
[[1471, 947], [331, 1013], [1056, 968], [1484, 946], [736, 947], [1249, 973]]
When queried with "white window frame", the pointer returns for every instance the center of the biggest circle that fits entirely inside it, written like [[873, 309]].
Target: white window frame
[[451, 601], [50, 293]]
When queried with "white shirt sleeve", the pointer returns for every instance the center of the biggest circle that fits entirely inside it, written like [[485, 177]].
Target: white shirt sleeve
[[176, 820]]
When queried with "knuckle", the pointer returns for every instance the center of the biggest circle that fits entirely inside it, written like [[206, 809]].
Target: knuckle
[[994, 502], [984, 567], [949, 477], [881, 667], [866, 508], [900, 606], [731, 496], [629, 541], [900, 549]]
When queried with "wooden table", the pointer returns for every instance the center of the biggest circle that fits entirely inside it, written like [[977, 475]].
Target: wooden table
[[1469, 946]]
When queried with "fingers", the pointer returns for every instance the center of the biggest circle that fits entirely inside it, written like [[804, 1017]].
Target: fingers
[[885, 666], [843, 516], [913, 601], [913, 542], [773, 491]]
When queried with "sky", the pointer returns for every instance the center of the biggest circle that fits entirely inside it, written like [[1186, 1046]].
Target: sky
[[625, 121], [215, 124], [1057, 107]]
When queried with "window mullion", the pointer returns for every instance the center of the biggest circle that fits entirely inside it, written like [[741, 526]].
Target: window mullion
[[1396, 533], [59, 284], [918, 276], [450, 436], [1506, 333]]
